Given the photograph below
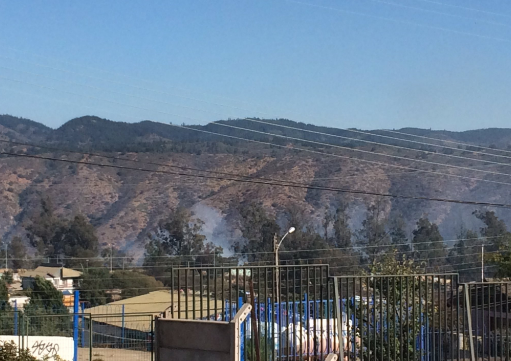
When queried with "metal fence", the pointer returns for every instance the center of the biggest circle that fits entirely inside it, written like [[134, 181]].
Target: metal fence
[[303, 313], [489, 305]]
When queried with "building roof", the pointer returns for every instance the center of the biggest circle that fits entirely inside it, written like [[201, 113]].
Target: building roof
[[53, 272], [140, 310]]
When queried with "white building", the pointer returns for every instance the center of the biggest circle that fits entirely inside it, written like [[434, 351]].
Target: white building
[[64, 279]]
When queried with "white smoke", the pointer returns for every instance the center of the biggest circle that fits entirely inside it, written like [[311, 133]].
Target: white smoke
[[215, 227]]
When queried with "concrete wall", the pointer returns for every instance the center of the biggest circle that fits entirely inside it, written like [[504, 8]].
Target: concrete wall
[[192, 340], [40, 346]]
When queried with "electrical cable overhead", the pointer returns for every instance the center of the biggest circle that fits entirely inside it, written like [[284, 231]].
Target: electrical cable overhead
[[404, 22], [385, 144], [253, 181], [275, 145], [362, 151], [464, 8], [447, 141], [228, 106], [251, 119], [440, 13]]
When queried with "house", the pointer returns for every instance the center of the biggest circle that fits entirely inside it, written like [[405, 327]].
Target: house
[[15, 275], [18, 302], [64, 279]]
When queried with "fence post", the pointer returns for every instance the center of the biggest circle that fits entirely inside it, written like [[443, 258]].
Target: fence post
[[75, 323], [469, 319], [338, 310], [306, 309], [242, 333], [122, 327], [83, 324], [15, 317]]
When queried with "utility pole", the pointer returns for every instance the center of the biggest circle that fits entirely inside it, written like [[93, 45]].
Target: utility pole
[[6, 256], [482, 263], [277, 276], [111, 257]]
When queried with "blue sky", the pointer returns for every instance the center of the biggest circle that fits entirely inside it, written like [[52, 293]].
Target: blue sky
[[442, 64]]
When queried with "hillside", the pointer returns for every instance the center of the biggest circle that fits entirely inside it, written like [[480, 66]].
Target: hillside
[[125, 204]]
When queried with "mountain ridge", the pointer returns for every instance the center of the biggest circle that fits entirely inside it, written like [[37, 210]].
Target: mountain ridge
[[125, 205]]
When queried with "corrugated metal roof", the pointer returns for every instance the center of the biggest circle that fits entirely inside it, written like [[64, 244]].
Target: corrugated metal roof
[[152, 304], [54, 272]]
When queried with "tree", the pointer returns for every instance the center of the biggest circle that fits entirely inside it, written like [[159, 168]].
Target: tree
[[119, 258], [42, 227], [497, 241], [342, 231], [4, 293], [398, 237], [74, 241], [8, 277], [403, 296], [465, 256], [46, 300], [133, 283], [258, 229], [93, 286], [44, 297], [494, 231], [157, 263], [373, 233], [180, 234], [18, 252], [428, 243]]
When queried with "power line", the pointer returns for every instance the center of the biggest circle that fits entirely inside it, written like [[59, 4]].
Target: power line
[[465, 8], [405, 22], [164, 102], [446, 141], [363, 151], [440, 13], [392, 145], [267, 143], [253, 181]]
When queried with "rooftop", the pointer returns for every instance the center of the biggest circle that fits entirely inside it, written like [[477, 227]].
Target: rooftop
[[53, 272], [139, 310]]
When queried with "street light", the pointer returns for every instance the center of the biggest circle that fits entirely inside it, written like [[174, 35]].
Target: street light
[[276, 249]]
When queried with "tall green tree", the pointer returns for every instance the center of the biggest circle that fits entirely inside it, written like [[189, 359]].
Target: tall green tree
[[181, 234], [428, 244], [157, 262], [258, 228], [93, 286], [75, 241], [497, 243], [342, 233], [19, 254], [42, 226], [44, 297], [465, 257], [343, 259], [399, 237], [373, 234], [494, 231], [45, 301]]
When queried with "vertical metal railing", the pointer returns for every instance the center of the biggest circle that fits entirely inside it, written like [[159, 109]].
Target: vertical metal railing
[[487, 303], [400, 317], [299, 326]]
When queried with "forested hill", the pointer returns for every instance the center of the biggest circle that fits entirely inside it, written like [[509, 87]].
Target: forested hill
[[125, 205]]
